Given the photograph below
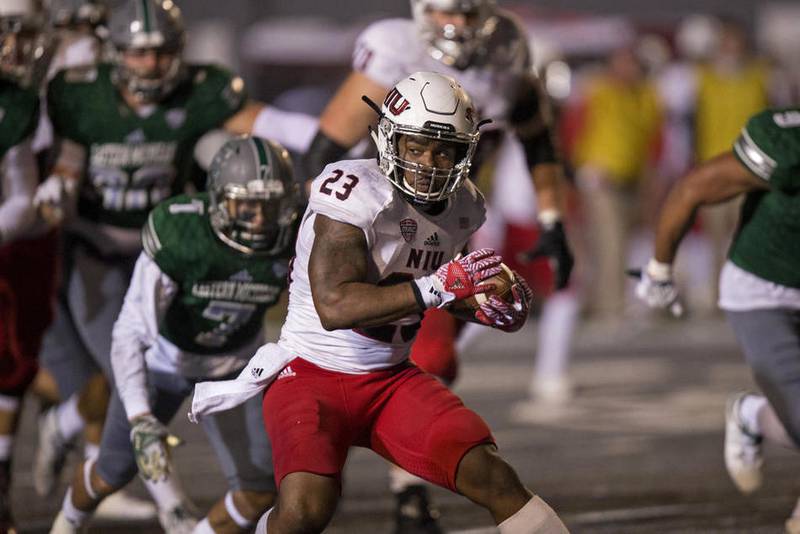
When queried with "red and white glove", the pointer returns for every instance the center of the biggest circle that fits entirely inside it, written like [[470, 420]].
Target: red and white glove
[[458, 279], [497, 313]]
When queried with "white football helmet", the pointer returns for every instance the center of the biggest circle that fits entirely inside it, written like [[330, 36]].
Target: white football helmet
[[253, 198], [433, 106], [144, 25], [453, 45], [25, 46]]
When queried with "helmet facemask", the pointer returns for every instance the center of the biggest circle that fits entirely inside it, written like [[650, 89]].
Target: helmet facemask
[[142, 27], [25, 49], [425, 182], [455, 30], [253, 214]]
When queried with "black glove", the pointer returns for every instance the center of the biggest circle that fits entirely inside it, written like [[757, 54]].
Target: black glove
[[553, 244]]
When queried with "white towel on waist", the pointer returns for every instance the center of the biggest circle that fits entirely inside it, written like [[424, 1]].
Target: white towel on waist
[[263, 367]]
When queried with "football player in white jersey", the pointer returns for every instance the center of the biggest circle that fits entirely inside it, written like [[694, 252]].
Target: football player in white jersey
[[486, 50], [375, 249]]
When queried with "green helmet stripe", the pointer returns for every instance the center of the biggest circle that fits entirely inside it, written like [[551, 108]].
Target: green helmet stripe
[[146, 16], [263, 161]]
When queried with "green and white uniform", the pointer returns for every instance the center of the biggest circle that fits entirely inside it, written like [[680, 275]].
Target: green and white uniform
[[136, 160], [194, 311], [763, 270], [760, 284], [131, 162]]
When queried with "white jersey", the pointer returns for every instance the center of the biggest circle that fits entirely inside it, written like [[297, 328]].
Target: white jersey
[[389, 50], [18, 180], [403, 242]]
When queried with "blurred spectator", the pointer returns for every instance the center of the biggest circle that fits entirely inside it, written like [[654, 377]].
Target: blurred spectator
[[619, 128]]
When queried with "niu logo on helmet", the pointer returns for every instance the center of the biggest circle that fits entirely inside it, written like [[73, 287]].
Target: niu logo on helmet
[[396, 102]]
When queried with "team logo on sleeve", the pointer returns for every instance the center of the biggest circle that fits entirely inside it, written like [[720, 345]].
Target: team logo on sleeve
[[396, 102], [408, 229]]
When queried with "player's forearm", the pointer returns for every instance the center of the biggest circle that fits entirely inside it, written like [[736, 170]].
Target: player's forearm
[[129, 367], [548, 182], [713, 182], [19, 179], [360, 305], [292, 130]]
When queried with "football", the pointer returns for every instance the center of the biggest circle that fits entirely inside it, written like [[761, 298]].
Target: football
[[465, 309]]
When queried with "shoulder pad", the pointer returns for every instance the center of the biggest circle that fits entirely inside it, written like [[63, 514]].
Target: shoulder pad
[[381, 48], [352, 192], [214, 82], [167, 225]]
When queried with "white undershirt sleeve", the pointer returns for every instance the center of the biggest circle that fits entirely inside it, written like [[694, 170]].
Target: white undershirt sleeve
[[293, 130], [19, 180], [136, 330]]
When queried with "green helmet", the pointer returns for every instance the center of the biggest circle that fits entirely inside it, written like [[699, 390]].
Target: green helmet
[[253, 196], [26, 48], [70, 13], [148, 25]]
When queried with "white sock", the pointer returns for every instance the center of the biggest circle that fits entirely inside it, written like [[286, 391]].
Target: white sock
[[748, 412], [555, 331], [91, 451], [234, 512], [70, 422], [167, 494], [261, 526], [203, 527], [6, 444], [73, 515], [536, 517], [400, 479]]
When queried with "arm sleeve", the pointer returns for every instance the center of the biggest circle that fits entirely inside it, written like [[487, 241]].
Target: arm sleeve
[[379, 48], [753, 147], [136, 329], [292, 130], [19, 180]]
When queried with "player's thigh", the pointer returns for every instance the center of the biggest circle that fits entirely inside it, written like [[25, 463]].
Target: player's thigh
[[242, 447], [307, 422], [425, 428], [64, 354], [116, 463], [95, 292], [770, 340]]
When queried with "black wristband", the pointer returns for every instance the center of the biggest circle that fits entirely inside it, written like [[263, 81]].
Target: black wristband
[[418, 296]]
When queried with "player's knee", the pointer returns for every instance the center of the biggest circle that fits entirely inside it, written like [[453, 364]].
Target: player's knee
[[93, 400], [252, 504], [306, 502], [484, 477]]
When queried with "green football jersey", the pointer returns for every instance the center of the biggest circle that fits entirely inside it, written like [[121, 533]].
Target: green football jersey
[[134, 162], [19, 115], [767, 242], [222, 294]]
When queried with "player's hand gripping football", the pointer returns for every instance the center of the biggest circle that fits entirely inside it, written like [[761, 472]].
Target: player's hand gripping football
[[553, 244], [459, 278], [149, 438], [656, 288], [509, 317]]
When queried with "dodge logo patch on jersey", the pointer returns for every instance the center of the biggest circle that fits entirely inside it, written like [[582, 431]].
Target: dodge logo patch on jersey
[[408, 229]]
